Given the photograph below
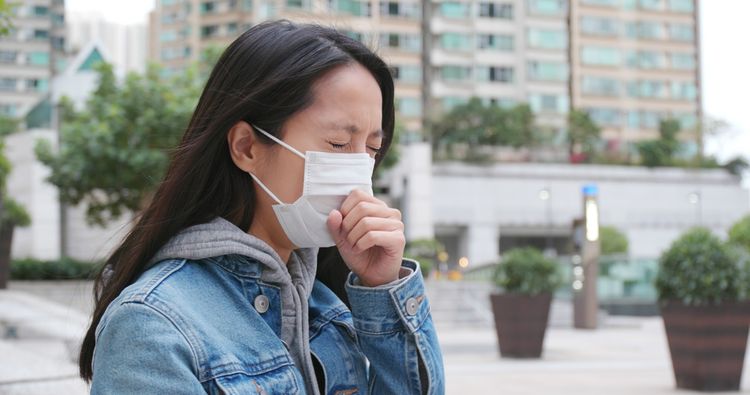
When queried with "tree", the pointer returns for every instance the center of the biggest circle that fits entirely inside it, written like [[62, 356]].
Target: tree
[[612, 241], [6, 14], [115, 150], [737, 165], [583, 135], [661, 151], [476, 124]]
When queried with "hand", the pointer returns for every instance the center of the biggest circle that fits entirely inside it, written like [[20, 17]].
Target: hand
[[370, 238]]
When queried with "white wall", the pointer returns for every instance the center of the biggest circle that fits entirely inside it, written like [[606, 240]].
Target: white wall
[[27, 185]]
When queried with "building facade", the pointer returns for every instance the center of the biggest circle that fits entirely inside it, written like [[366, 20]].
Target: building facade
[[634, 62], [30, 54]]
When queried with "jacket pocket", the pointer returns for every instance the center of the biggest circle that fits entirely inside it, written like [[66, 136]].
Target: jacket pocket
[[278, 381]]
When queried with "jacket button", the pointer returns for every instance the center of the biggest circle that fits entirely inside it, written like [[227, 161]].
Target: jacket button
[[411, 306], [261, 303]]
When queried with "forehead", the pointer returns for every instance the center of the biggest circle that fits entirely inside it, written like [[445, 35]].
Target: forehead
[[349, 95]]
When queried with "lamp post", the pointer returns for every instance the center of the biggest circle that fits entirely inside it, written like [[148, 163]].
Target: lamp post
[[586, 265]]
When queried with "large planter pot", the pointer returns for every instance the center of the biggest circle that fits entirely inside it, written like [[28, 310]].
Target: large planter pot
[[521, 322], [707, 344]]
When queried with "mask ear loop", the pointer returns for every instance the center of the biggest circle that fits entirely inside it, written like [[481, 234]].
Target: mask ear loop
[[265, 188], [283, 144]]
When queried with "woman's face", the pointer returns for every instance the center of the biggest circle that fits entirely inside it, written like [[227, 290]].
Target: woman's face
[[345, 116]]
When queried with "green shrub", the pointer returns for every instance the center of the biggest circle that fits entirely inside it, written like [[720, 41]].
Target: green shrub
[[612, 241], [527, 271], [739, 233], [64, 269], [699, 269]]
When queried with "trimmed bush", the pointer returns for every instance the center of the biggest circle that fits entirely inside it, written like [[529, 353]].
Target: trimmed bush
[[699, 269], [64, 269], [527, 271], [612, 241], [739, 233]]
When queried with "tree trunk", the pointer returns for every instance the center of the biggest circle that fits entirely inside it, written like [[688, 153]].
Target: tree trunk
[[6, 239]]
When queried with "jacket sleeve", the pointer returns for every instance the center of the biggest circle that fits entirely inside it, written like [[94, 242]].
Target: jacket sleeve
[[140, 351], [396, 333]]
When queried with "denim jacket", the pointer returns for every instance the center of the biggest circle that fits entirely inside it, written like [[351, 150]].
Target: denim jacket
[[215, 325]]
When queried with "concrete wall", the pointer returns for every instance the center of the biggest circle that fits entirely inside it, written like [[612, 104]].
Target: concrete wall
[[477, 205]]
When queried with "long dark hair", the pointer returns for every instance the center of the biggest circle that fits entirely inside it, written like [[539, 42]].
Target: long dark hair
[[265, 76]]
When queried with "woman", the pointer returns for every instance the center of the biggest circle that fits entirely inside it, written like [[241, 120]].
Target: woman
[[215, 288]]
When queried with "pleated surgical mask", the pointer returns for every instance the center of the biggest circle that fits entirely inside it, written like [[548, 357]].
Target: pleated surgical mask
[[329, 178]]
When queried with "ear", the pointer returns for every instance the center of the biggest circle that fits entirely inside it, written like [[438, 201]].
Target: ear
[[244, 146]]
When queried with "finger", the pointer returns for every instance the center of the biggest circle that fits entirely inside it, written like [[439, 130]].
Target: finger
[[368, 224], [334, 226], [355, 197], [366, 209], [391, 241]]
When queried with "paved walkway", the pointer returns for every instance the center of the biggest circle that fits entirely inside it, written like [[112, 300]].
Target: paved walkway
[[41, 324]]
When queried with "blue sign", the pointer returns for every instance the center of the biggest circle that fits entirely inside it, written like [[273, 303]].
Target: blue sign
[[590, 190]]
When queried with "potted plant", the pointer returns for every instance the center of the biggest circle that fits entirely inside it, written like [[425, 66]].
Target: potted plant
[[699, 286], [527, 280]]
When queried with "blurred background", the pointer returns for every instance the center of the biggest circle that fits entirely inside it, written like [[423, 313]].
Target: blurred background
[[593, 151]]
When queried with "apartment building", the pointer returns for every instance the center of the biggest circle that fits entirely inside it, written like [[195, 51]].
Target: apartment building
[[634, 62], [30, 54], [628, 62]]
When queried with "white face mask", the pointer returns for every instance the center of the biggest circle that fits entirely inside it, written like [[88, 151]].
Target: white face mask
[[328, 180]]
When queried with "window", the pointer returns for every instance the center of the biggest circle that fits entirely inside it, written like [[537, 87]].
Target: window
[[604, 116], [351, 7], [454, 10], [547, 7], [496, 10], [643, 119], [651, 5], [39, 58], [455, 73], [600, 26], [646, 60], [547, 71], [403, 42], [606, 3], [600, 56], [209, 31], [231, 28], [40, 11], [683, 61], [409, 9], [502, 42], [9, 109], [648, 89], [409, 106], [408, 74], [451, 102], [681, 32], [58, 20], [645, 30], [8, 84], [688, 120], [247, 5], [38, 85], [208, 7], [455, 41], [600, 86], [683, 91], [8, 56], [354, 35], [168, 2], [41, 34], [58, 43], [495, 74], [167, 36], [682, 6], [548, 103], [547, 39]]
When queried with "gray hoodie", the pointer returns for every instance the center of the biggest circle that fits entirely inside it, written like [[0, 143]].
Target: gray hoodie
[[295, 279]]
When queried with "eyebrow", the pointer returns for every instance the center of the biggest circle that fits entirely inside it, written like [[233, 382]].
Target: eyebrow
[[352, 128]]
